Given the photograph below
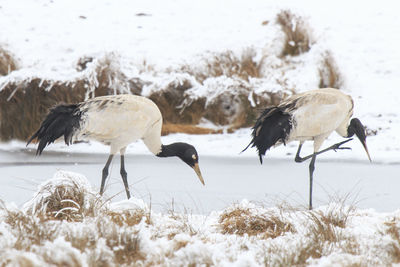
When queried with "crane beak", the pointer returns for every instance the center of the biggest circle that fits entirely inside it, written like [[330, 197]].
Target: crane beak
[[360, 133], [357, 128], [364, 143], [197, 170]]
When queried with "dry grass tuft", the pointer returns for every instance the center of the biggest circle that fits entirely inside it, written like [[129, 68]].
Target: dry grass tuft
[[227, 64], [330, 76], [65, 203], [326, 229], [107, 243], [119, 244], [393, 230], [179, 223], [67, 200], [129, 218], [337, 216], [123, 242], [127, 250], [172, 104], [7, 62], [324, 235], [241, 221], [325, 226], [29, 230], [298, 37]]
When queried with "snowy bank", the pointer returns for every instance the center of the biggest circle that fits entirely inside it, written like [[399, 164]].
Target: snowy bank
[[129, 233]]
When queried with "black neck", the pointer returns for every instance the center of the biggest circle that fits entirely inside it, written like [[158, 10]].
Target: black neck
[[356, 127], [350, 131], [186, 152], [167, 151], [175, 149]]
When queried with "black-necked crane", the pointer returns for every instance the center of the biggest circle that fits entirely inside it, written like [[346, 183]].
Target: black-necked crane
[[117, 121], [311, 115]]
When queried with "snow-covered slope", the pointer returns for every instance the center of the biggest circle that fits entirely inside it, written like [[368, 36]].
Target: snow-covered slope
[[49, 37]]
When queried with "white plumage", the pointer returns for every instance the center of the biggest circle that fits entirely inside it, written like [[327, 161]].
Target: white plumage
[[116, 121], [121, 120], [311, 115], [316, 114]]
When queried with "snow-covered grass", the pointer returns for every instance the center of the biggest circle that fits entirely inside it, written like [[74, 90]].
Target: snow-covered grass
[[129, 233], [66, 223]]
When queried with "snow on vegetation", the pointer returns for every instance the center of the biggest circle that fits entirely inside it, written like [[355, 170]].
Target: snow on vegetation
[[66, 223], [225, 86], [201, 63]]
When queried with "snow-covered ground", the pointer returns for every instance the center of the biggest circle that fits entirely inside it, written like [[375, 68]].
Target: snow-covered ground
[[48, 37], [95, 232]]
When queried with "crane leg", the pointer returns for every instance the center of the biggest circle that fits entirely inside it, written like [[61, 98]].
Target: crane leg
[[311, 169], [124, 176], [105, 173], [312, 163], [333, 147]]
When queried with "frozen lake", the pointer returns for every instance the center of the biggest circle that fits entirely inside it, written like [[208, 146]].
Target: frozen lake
[[169, 182]]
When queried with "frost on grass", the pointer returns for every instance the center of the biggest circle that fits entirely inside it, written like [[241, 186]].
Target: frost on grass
[[67, 224], [79, 232], [251, 220], [105, 72], [68, 196]]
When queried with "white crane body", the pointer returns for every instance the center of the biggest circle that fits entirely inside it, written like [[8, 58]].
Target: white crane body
[[312, 115], [117, 121], [316, 114]]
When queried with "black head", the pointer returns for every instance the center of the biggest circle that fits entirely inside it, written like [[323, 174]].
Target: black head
[[358, 129], [186, 152]]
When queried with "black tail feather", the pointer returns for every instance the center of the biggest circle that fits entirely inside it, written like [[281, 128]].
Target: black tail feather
[[61, 120], [272, 126]]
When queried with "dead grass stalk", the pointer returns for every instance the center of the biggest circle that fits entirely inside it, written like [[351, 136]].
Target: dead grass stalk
[[298, 37], [241, 221], [7, 62], [29, 230], [330, 76], [227, 64], [393, 229]]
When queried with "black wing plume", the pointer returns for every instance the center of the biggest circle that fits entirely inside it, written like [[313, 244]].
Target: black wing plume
[[273, 125], [61, 120]]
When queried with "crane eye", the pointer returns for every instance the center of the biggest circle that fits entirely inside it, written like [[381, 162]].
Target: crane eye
[[194, 157]]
